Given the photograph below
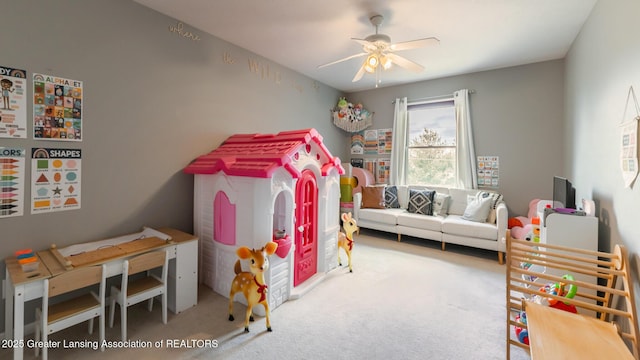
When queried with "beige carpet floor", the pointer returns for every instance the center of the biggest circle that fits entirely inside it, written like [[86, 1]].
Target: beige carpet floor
[[407, 300]]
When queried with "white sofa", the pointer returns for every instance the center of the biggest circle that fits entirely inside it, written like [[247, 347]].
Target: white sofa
[[446, 228]]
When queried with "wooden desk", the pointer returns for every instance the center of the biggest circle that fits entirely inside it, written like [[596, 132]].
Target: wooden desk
[[182, 282], [557, 334]]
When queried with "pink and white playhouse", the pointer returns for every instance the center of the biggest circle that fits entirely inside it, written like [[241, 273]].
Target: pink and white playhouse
[[259, 187]]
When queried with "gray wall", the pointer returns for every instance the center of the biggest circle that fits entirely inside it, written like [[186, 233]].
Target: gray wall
[[516, 114], [153, 102], [600, 68]]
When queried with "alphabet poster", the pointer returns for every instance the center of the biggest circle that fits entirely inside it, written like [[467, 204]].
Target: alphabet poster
[[12, 162], [55, 179], [13, 112], [57, 108]]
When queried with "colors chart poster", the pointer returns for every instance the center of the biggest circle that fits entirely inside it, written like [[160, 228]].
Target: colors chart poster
[[57, 108], [12, 162], [55, 179], [13, 110]]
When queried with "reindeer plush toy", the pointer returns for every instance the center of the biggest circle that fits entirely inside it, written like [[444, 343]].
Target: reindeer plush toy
[[251, 284], [345, 239]]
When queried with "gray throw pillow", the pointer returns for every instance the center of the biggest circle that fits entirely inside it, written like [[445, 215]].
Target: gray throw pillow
[[421, 201], [391, 197], [441, 204]]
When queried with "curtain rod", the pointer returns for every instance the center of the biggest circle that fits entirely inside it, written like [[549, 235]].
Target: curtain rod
[[432, 97]]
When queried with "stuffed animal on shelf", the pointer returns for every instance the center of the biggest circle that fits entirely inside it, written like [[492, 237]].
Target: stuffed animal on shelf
[[251, 283], [345, 239]]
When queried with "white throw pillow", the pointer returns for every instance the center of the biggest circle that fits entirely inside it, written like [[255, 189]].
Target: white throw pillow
[[477, 208]]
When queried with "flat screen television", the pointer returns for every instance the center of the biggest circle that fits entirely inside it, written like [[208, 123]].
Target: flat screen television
[[563, 193]]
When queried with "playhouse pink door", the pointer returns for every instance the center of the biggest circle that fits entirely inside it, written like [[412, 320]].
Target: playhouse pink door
[[306, 228]]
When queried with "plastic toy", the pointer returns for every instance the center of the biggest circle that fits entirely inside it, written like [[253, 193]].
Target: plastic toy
[[521, 332], [27, 260], [557, 289], [345, 239], [251, 284]]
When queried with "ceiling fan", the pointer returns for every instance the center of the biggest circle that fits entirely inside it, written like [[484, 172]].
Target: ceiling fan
[[380, 52]]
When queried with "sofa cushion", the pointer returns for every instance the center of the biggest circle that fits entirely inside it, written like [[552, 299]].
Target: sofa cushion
[[478, 208], [384, 216], [421, 201], [456, 225], [420, 221], [391, 197], [373, 197]]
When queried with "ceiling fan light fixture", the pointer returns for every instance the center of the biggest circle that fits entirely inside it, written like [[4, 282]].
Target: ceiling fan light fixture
[[385, 62], [371, 63]]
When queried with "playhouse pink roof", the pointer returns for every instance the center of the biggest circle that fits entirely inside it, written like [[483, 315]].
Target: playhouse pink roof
[[259, 155]]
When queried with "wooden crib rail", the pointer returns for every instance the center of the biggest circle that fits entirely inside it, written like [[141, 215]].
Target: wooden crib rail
[[611, 281]]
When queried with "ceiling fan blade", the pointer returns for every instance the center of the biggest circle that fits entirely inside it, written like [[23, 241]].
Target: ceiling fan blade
[[341, 60], [359, 74], [414, 44], [405, 63], [362, 42]]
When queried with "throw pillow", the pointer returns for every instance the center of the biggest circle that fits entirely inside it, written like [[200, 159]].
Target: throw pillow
[[421, 201], [373, 197], [441, 204], [391, 197], [477, 209], [495, 200]]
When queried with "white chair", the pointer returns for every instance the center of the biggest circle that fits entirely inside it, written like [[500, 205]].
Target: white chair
[[61, 315], [134, 290]]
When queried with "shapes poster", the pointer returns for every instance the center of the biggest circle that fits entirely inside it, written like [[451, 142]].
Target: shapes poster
[[57, 108], [12, 162], [13, 111], [55, 179]]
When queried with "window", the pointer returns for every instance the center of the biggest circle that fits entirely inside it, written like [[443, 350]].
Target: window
[[431, 148]]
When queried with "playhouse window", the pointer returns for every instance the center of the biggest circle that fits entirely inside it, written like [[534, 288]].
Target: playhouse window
[[224, 219]]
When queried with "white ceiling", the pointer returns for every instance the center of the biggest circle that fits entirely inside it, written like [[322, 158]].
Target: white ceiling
[[475, 35]]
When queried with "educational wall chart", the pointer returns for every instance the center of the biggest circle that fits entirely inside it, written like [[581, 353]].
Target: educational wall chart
[[629, 151], [371, 142], [12, 162], [357, 143], [384, 141], [55, 179], [488, 168], [13, 112], [383, 168], [57, 108]]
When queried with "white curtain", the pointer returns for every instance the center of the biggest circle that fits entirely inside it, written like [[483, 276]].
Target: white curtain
[[397, 170], [466, 161]]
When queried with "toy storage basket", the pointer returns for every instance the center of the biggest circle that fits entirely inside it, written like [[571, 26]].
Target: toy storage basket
[[351, 126]]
